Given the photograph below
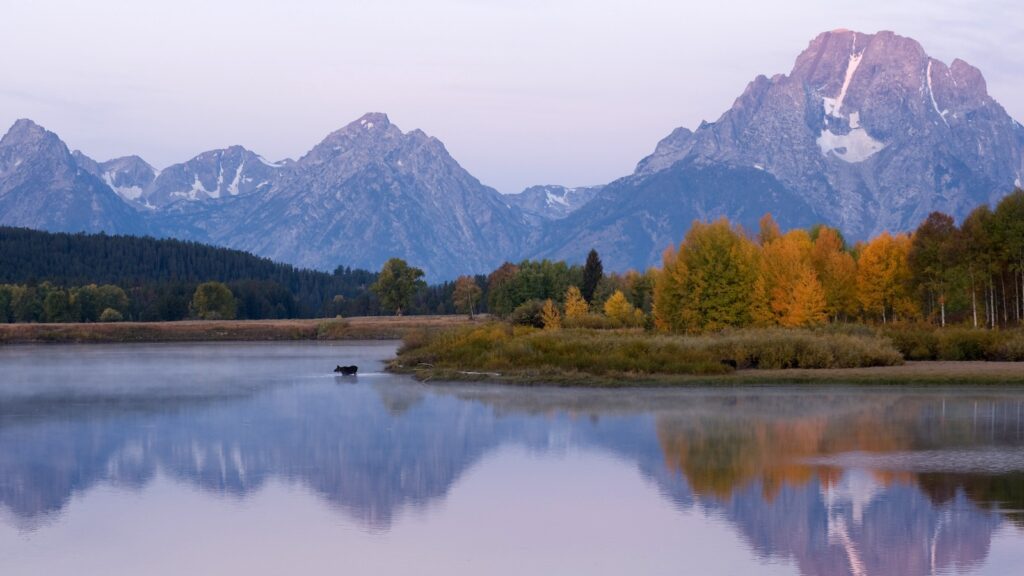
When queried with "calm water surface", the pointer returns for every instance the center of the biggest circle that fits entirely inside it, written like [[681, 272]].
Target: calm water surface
[[255, 459]]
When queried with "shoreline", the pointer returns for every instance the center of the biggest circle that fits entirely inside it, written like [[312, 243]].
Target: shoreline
[[927, 372], [930, 372], [325, 329]]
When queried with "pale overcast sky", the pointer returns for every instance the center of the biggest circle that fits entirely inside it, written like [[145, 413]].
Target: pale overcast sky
[[522, 92]]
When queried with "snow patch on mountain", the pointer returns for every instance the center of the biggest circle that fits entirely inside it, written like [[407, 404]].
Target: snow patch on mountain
[[132, 193], [856, 146]]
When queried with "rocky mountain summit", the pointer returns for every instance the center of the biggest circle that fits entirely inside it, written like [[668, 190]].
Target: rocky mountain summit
[[866, 133], [868, 128], [129, 176], [232, 171], [42, 186]]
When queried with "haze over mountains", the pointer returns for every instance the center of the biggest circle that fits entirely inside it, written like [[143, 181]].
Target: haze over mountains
[[866, 133]]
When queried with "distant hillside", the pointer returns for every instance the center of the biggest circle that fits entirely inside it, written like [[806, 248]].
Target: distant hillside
[[29, 256]]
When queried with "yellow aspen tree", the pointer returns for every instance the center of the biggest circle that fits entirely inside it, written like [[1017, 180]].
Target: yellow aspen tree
[[575, 306], [904, 305], [708, 284], [617, 307], [808, 302], [883, 274], [668, 291], [788, 292], [550, 316]]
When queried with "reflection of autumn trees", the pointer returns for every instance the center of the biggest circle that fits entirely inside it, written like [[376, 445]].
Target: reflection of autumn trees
[[1001, 491], [744, 440]]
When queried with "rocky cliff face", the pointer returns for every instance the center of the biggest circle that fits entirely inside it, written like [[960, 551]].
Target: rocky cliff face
[[41, 186], [366, 193]]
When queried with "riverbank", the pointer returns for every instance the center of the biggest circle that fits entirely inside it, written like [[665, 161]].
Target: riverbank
[[356, 328], [924, 373], [615, 358]]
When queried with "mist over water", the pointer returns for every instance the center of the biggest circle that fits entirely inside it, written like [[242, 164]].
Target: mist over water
[[256, 459]]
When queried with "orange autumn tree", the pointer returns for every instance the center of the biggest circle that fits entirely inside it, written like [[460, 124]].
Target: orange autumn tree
[[787, 291], [837, 273], [883, 277]]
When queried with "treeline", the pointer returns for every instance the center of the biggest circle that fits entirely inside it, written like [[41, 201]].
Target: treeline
[[159, 279], [48, 303], [721, 276], [940, 273], [160, 275]]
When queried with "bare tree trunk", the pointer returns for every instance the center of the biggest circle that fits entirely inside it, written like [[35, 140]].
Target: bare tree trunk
[[992, 302], [1006, 316], [974, 300], [1017, 296], [942, 309]]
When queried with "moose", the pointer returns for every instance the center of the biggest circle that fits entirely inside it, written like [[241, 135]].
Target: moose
[[347, 370]]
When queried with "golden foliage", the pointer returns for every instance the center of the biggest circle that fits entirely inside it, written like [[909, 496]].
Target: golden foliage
[[575, 306], [883, 277], [788, 292], [618, 308], [550, 316]]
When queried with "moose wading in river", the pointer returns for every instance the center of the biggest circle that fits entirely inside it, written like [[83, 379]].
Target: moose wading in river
[[347, 370]]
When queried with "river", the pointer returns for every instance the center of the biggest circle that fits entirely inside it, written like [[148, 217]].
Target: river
[[254, 458]]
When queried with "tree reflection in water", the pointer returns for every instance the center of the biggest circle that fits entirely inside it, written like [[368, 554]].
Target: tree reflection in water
[[770, 461]]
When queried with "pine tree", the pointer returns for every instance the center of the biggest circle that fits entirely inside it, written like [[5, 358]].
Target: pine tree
[[593, 271]]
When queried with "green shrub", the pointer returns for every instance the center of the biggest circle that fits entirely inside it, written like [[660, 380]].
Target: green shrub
[[924, 342], [915, 343], [602, 322], [1012, 348], [966, 344], [111, 315], [529, 313], [776, 348]]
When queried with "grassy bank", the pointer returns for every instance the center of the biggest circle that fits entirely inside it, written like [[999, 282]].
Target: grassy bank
[[500, 352], [956, 343], [362, 328]]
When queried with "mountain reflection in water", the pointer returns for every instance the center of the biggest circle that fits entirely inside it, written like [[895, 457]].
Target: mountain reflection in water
[[832, 480]]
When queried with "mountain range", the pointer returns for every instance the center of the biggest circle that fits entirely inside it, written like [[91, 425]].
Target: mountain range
[[866, 133]]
